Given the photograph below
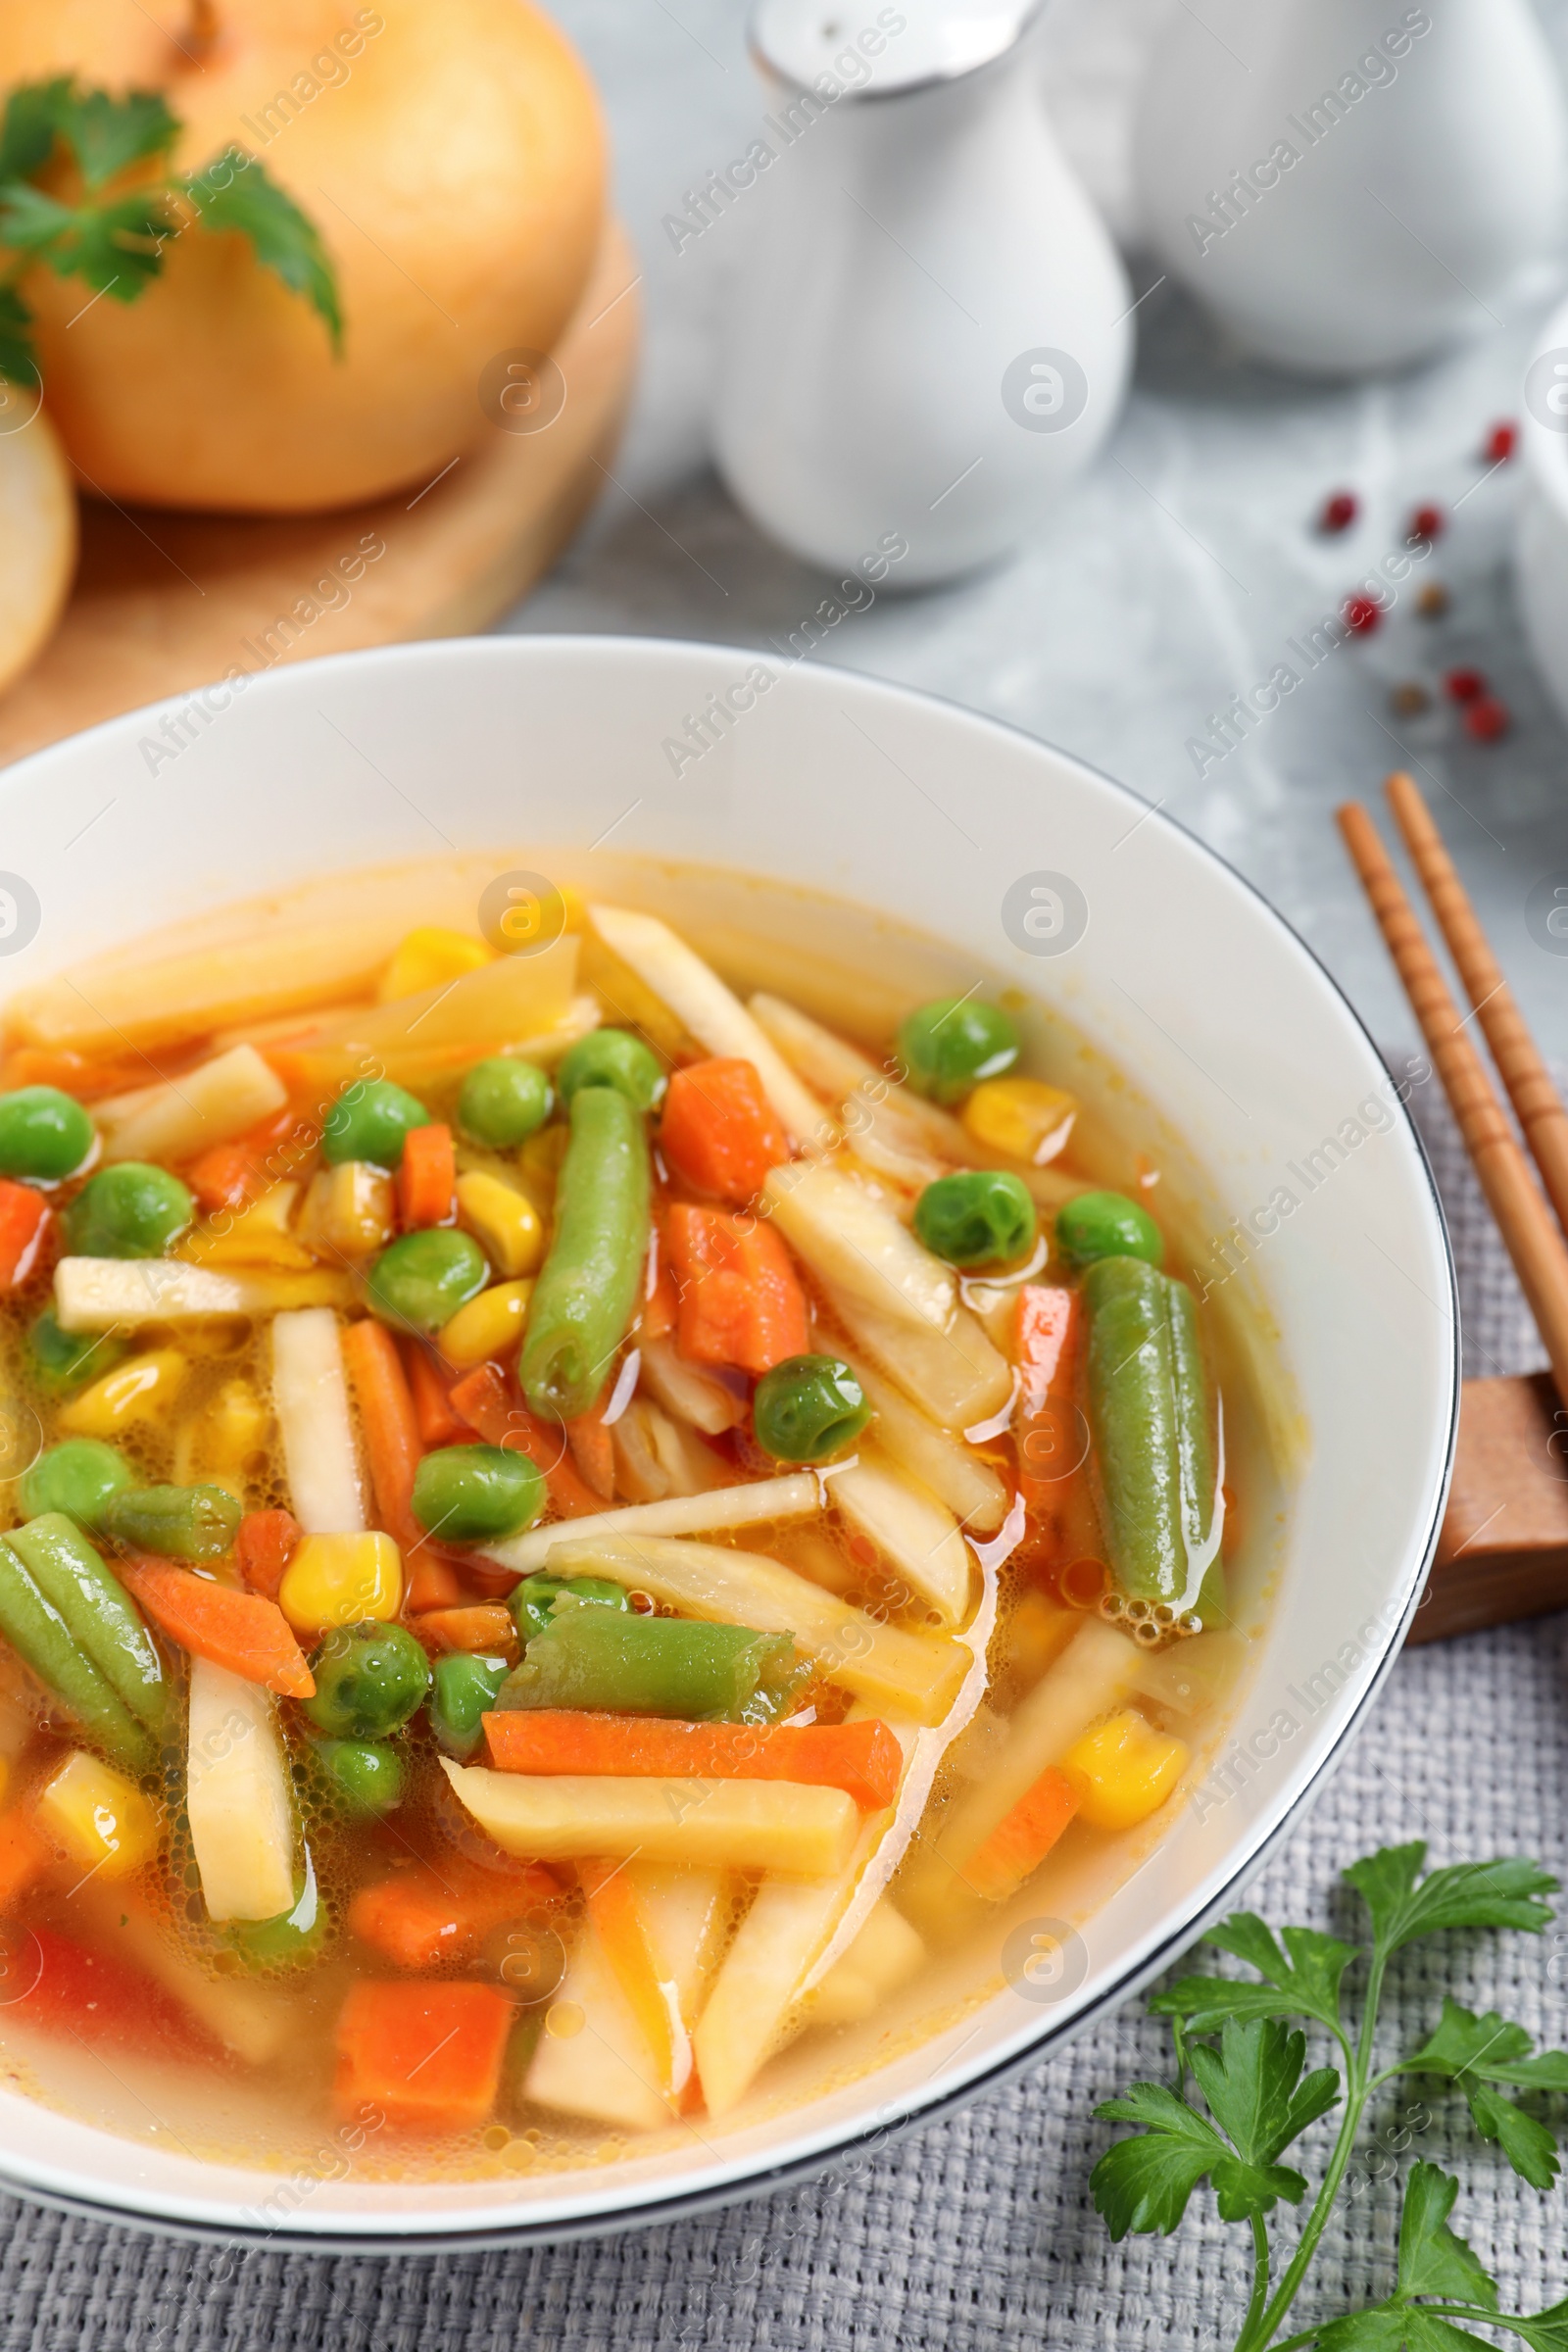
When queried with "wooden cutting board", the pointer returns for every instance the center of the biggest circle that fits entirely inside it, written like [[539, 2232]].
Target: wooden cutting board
[[165, 602], [1504, 1550]]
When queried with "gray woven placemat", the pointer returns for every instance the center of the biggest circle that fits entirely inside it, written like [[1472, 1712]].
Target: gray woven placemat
[[978, 2232]]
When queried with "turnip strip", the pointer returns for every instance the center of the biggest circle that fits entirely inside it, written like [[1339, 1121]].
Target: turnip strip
[[792, 1498], [914, 1674], [237, 1796], [185, 1115], [687, 1391], [515, 999], [956, 1375], [917, 1534], [706, 1008], [856, 1243], [788, 1826], [310, 1395], [117, 1294], [969, 1487], [842, 1072], [605, 2069]]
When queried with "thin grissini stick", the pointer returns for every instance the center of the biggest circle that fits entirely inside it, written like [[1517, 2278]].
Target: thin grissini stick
[[1527, 1225], [1540, 1108]]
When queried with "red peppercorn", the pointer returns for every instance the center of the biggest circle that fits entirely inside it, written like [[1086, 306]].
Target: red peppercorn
[[1361, 615], [1427, 523], [1339, 512], [1501, 443], [1464, 685], [1487, 719]]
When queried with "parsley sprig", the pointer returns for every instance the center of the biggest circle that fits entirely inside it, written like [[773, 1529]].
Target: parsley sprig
[[1233, 2037], [114, 238]]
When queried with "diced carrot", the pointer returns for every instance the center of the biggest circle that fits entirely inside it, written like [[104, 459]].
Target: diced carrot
[[1022, 1838], [426, 1175], [592, 1450], [1048, 1340], [482, 1626], [264, 1547], [418, 1918], [619, 1923], [500, 1418], [24, 1855], [25, 1219], [741, 1300], [720, 1131], [241, 1630], [232, 1175], [864, 1759], [438, 1424], [427, 2055], [97, 1996], [662, 1307], [430, 1580]]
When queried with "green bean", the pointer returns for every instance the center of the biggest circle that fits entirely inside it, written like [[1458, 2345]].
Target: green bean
[[42, 1640], [583, 1299], [1148, 1406], [533, 1601], [1194, 1443], [629, 1665], [179, 1523], [103, 1620]]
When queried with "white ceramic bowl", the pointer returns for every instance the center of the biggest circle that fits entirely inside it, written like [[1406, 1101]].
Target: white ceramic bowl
[[1540, 527], [1192, 987]]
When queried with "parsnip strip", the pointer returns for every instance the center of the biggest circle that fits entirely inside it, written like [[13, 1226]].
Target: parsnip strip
[[311, 1397], [237, 1796], [857, 1245], [914, 1532], [825, 1062], [969, 1487], [955, 1375], [787, 1825], [792, 1498], [706, 1008], [185, 1115], [687, 1391], [593, 2057], [110, 1294], [914, 1674]]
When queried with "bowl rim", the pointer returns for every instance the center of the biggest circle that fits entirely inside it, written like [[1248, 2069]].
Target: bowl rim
[[1545, 451], [832, 2146]]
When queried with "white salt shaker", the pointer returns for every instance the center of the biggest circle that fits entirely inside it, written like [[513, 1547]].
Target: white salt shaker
[[929, 334], [1353, 184]]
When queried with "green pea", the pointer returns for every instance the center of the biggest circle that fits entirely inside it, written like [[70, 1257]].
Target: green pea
[[81, 1477], [478, 1493], [423, 1279], [370, 1678], [502, 1100], [614, 1058], [179, 1523], [64, 1361], [291, 1938], [1107, 1225], [366, 1774], [44, 1133], [370, 1121], [464, 1690], [950, 1045], [532, 1602], [976, 1217], [130, 1210], [808, 1408]]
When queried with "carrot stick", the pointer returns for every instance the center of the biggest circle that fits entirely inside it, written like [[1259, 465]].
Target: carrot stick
[[422, 1917], [592, 1450], [386, 1416], [487, 1405], [24, 1855], [231, 1175], [1021, 1838], [438, 1424], [79, 1074], [23, 1223], [264, 1546], [720, 1131], [617, 1921], [428, 2055], [426, 1174], [864, 1759], [741, 1300], [482, 1626], [241, 1630]]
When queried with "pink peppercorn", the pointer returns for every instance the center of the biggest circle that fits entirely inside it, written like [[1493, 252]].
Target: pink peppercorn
[[1339, 512], [1427, 523], [1361, 615], [1464, 685], [1501, 443], [1486, 718]]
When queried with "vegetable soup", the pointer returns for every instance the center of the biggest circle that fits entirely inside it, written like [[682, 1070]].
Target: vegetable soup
[[584, 1535]]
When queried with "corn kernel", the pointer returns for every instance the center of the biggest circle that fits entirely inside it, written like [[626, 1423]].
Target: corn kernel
[[350, 1211], [1021, 1117], [1123, 1771], [234, 1429], [102, 1821], [259, 1235], [1038, 1631], [338, 1579], [141, 1390], [426, 957], [488, 1326], [506, 1223], [539, 1164]]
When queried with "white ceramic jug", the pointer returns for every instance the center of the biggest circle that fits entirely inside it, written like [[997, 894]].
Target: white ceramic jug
[[929, 332], [1353, 184]]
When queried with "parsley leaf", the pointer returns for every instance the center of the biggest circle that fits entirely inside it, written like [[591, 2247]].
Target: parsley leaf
[[1398, 2328], [1304, 1983], [17, 361], [1144, 2184], [1544, 2330], [236, 192], [1478, 2051], [106, 134], [1501, 1893], [28, 126], [1433, 2258]]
